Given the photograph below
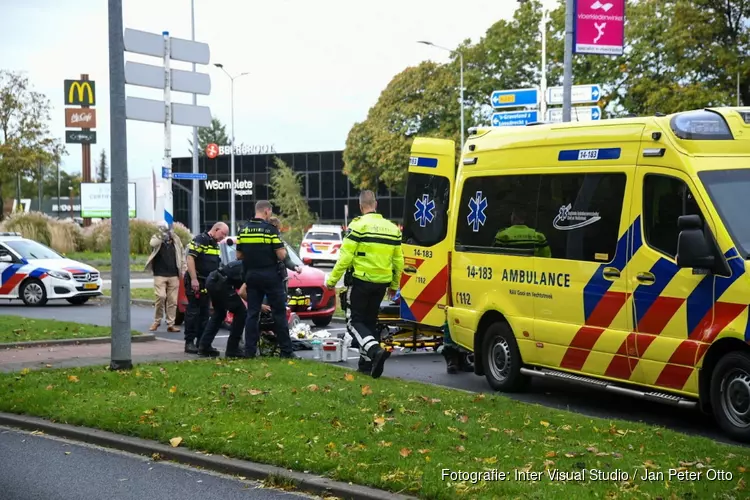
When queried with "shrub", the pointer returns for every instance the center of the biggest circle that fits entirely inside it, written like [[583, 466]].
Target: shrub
[[66, 236], [141, 232], [32, 225], [98, 237], [182, 232]]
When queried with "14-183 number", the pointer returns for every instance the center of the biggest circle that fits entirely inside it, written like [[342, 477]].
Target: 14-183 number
[[479, 272]]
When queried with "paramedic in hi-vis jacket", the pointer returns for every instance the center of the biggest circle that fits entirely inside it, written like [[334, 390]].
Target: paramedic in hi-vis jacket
[[373, 260]]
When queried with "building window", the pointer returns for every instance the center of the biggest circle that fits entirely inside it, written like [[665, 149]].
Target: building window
[[315, 207], [342, 184], [300, 163], [313, 162], [326, 164], [328, 212], [313, 185], [326, 185]]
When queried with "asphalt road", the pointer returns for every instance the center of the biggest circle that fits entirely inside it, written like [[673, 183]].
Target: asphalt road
[[430, 368], [38, 467]]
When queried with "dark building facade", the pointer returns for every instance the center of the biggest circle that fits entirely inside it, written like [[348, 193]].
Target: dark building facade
[[324, 185]]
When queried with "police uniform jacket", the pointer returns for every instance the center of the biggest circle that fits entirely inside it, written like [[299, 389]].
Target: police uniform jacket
[[258, 242], [205, 251]]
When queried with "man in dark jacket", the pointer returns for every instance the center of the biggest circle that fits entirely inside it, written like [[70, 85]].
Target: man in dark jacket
[[222, 286]]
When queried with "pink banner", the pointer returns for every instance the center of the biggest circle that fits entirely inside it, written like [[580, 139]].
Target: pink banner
[[599, 27]]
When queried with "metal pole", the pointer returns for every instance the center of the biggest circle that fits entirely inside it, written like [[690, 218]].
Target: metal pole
[[40, 187], [543, 102], [461, 56], [58, 189], [121, 354], [738, 89], [231, 173], [167, 183], [195, 219], [568, 61]]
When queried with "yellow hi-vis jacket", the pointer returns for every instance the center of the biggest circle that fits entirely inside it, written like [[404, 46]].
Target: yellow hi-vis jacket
[[373, 249]]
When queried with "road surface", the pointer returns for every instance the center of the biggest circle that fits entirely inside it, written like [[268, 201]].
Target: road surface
[[39, 467], [430, 367]]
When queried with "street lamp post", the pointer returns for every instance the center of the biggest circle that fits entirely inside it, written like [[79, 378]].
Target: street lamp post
[[461, 60], [231, 172]]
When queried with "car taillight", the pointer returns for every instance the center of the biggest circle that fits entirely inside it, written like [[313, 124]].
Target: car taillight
[[305, 244]]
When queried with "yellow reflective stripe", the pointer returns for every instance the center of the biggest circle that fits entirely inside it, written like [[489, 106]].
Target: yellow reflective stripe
[[211, 251]]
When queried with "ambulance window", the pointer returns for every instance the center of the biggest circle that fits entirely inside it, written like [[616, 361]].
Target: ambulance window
[[664, 200], [498, 215], [426, 209], [728, 189], [580, 215]]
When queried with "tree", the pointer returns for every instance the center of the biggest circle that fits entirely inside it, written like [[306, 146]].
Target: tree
[[102, 170], [215, 134], [24, 132], [291, 203]]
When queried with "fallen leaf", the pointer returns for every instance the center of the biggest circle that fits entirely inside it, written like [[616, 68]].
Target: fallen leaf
[[544, 423], [463, 418], [741, 469], [494, 429], [565, 427], [405, 452], [385, 444], [310, 374], [592, 449], [195, 428], [291, 362], [366, 391], [478, 398], [173, 389], [348, 377], [312, 387], [175, 442], [25, 371], [490, 460], [550, 454], [37, 433], [548, 464], [48, 365], [132, 394], [50, 387], [380, 421], [433, 401], [686, 464], [254, 392], [423, 451], [571, 455], [232, 435], [268, 375], [460, 449], [67, 453], [280, 445], [72, 378], [649, 464]]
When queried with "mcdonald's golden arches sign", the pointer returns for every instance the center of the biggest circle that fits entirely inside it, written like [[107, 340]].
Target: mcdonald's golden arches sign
[[80, 93]]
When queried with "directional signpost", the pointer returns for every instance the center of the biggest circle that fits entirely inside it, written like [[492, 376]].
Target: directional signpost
[[515, 98], [581, 94], [577, 114], [189, 175], [167, 79], [514, 118]]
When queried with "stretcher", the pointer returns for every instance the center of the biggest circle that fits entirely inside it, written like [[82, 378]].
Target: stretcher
[[396, 332]]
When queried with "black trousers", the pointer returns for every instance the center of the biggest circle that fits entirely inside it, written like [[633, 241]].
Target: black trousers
[[222, 301], [266, 283], [197, 312], [363, 299]]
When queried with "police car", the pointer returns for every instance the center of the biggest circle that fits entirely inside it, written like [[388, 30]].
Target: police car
[[34, 273], [321, 244]]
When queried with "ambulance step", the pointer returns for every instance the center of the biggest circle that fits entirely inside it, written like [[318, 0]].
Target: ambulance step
[[660, 397]]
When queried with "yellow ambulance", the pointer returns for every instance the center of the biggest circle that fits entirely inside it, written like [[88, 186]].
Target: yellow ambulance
[[611, 254]]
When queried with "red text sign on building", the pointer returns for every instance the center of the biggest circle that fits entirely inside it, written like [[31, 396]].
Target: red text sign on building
[[599, 27]]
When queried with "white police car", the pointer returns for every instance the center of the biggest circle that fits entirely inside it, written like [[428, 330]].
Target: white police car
[[35, 273], [321, 244]]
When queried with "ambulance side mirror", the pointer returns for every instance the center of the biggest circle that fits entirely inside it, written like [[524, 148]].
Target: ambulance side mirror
[[693, 248]]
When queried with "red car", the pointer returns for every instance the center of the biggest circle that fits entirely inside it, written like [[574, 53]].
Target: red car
[[310, 282]]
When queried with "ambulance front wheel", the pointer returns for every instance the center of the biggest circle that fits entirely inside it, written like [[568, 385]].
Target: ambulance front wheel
[[730, 395], [502, 359]]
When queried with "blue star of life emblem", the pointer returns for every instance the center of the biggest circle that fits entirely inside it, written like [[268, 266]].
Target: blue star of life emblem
[[477, 206], [425, 210]]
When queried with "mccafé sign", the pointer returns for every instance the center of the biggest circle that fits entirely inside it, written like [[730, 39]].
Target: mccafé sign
[[241, 188], [80, 117]]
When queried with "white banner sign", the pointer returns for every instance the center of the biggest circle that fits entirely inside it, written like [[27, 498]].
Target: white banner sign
[[96, 200]]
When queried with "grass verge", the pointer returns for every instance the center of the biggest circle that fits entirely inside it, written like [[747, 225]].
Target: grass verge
[[102, 261], [136, 293], [18, 329], [386, 433]]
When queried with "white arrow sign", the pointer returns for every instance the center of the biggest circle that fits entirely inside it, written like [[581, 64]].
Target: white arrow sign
[[150, 110], [578, 114], [147, 75], [151, 44], [580, 94]]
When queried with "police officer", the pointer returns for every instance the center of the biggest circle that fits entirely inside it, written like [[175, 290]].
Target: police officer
[[519, 236], [372, 256], [203, 258], [222, 286], [260, 249]]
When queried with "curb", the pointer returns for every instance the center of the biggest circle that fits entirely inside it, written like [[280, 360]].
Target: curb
[[250, 470], [136, 302], [144, 337]]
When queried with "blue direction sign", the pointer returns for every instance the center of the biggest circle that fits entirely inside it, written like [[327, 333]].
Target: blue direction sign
[[189, 175], [514, 98], [514, 118], [165, 173]]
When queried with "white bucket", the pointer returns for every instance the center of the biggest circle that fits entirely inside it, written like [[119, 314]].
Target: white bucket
[[332, 350]]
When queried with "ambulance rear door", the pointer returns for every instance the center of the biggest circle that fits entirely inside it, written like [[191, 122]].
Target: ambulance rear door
[[431, 179]]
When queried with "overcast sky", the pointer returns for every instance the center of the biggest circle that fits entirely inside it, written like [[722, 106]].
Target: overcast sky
[[316, 67]]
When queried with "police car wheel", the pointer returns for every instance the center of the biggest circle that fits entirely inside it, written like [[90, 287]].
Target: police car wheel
[[502, 359], [33, 293], [322, 322], [730, 395], [78, 301]]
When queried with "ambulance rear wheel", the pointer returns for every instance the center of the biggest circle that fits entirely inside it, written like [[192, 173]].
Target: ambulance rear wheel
[[33, 293], [730, 395], [502, 359]]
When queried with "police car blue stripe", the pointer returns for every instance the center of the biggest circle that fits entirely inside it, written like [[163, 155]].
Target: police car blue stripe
[[9, 272], [589, 154], [38, 272], [418, 161]]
